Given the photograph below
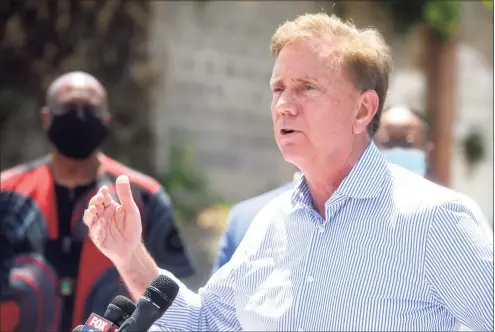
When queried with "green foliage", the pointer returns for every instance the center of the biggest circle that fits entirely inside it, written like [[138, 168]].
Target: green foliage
[[439, 15], [42, 39], [186, 184], [488, 4], [13, 99], [442, 16], [404, 14]]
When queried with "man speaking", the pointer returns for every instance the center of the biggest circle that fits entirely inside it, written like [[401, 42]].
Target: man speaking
[[359, 244]]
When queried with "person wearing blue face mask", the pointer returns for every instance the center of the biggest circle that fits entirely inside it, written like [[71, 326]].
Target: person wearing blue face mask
[[403, 139]]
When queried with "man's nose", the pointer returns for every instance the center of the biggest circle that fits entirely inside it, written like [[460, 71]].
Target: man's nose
[[285, 104]]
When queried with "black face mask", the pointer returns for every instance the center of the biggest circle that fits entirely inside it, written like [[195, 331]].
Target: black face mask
[[77, 133]]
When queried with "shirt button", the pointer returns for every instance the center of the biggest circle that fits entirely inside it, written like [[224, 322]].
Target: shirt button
[[321, 229], [310, 279]]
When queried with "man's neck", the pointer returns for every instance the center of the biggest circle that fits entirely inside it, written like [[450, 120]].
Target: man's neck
[[326, 176], [71, 173]]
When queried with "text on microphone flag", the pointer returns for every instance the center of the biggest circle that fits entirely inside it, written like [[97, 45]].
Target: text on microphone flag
[[96, 323]]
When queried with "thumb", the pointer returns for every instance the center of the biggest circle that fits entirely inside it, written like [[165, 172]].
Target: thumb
[[124, 193]]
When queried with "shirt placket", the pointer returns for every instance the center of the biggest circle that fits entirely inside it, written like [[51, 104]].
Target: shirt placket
[[295, 323], [333, 208]]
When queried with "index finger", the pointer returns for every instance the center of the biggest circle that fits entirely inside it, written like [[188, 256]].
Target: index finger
[[89, 216], [103, 190], [96, 200]]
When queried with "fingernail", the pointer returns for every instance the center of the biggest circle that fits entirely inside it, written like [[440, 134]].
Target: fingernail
[[122, 178]]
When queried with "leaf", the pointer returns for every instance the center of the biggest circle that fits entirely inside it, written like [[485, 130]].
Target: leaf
[[442, 16], [488, 4]]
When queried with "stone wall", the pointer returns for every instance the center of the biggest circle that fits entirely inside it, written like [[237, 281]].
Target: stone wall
[[215, 90]]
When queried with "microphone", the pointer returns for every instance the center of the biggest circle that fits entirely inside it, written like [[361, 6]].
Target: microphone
[[156, 299], [78, 328], [120, 309]]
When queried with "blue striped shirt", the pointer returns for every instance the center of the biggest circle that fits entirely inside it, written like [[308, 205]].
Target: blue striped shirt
[[394, 252]]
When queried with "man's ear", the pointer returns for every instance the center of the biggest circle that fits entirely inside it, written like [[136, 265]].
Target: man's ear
[[45, 117], [367, 109]]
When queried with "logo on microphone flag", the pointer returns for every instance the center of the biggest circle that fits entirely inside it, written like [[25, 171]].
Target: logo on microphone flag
[[97, 323]]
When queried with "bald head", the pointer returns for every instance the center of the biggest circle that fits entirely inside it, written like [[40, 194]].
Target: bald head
[[400, 126], [402, 137], [77, 86], [75, 89]]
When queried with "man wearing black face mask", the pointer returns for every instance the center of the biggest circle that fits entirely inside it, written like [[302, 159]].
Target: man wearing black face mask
[[42, 203]]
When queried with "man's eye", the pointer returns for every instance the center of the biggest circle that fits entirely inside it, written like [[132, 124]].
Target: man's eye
[[308, 87], [276, 89]]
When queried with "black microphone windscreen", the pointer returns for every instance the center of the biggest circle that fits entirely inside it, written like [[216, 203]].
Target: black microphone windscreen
[[162, 291], [166, 285], [124, 304]]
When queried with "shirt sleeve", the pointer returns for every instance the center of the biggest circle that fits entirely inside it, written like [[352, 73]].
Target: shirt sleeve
[[459, 265], [162, 236], [212, 309]]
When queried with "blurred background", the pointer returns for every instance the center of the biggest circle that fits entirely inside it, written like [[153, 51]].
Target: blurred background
[[190, 100]]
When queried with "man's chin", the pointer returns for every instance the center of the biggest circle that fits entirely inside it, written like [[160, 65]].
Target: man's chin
[[293, 154]]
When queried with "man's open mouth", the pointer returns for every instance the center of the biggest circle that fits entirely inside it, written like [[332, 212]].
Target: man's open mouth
[[287, 131]]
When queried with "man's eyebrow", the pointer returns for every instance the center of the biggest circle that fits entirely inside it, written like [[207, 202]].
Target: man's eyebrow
[[309, 79], [305, 79], [274, 81]]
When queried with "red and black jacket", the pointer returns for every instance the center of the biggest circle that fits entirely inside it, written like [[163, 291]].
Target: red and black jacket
[[29, 224]]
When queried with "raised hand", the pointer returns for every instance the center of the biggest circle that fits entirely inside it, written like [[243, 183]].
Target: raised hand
[[114, 228]]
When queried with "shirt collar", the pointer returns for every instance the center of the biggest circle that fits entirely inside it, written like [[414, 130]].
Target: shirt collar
[[364, 181]]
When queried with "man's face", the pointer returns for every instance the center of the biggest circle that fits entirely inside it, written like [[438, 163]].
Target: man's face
[[74, 95], [399, 127], [314, 105], [76, 118]]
